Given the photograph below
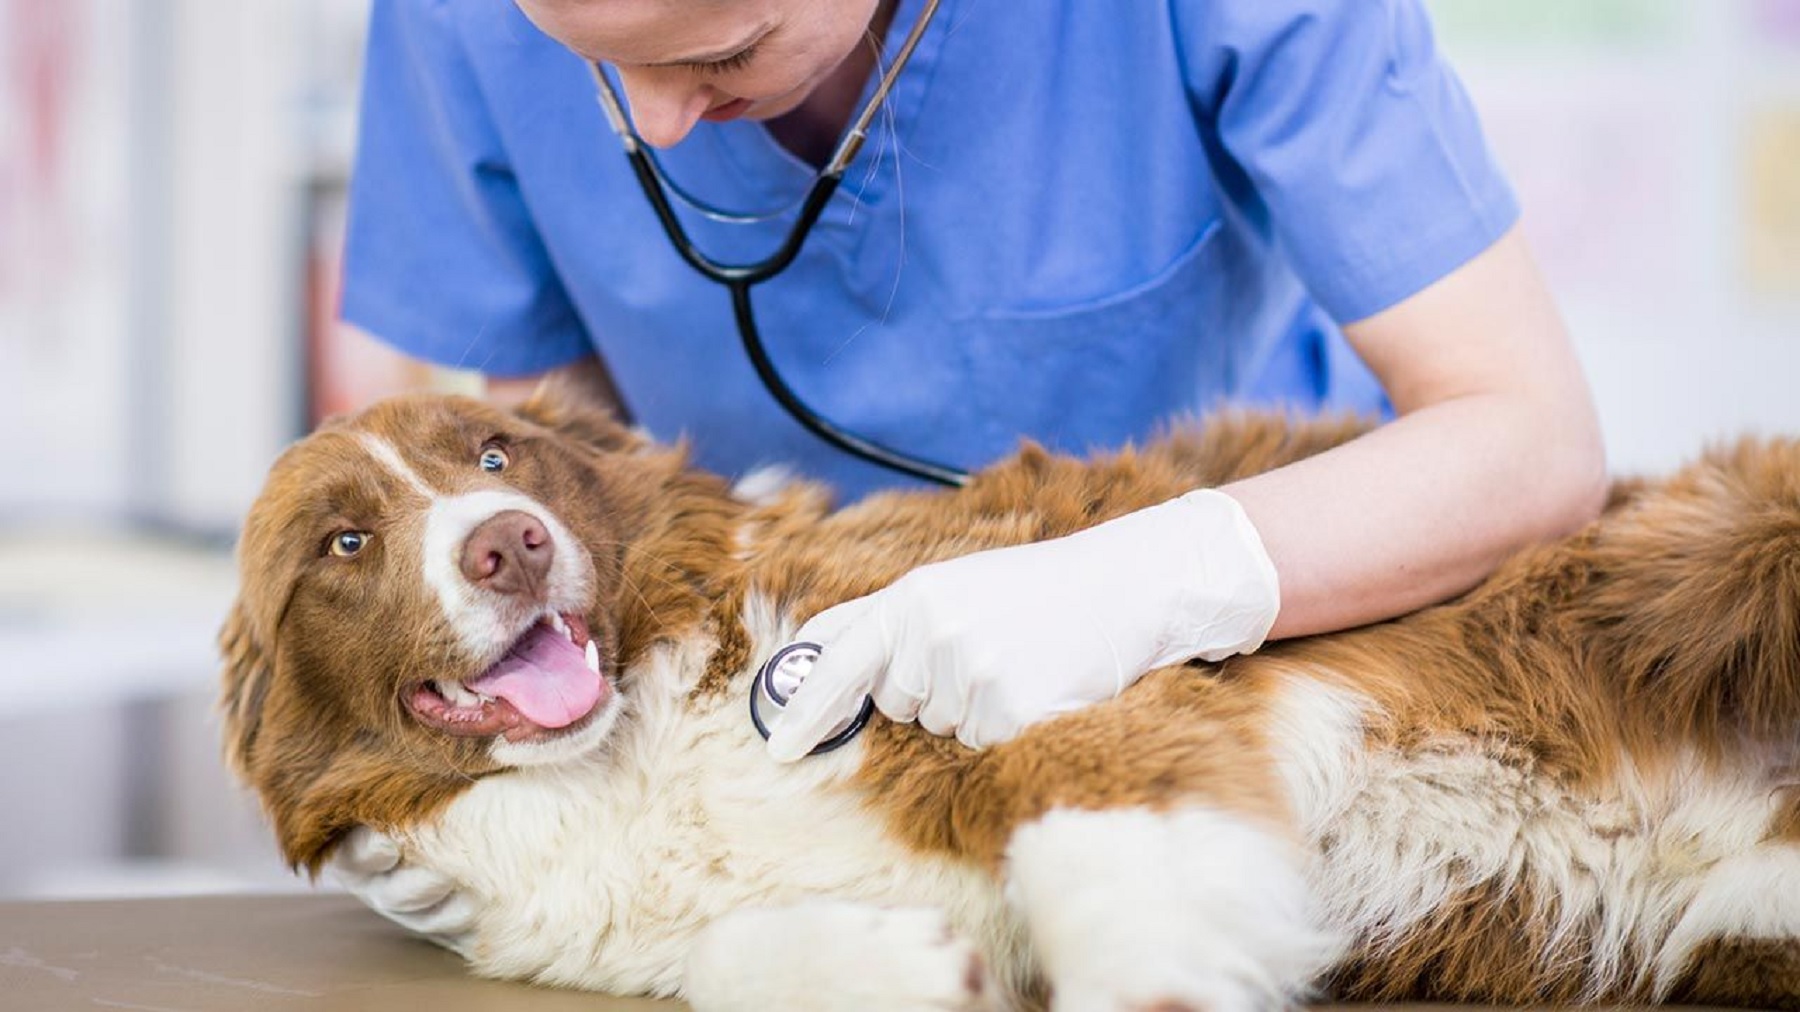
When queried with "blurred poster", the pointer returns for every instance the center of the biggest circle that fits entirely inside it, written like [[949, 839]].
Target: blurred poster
[[1592, 109], [1603, 171], [1557, 22], [40, 63], [65, 240], [1777, 22], [1771, 225]]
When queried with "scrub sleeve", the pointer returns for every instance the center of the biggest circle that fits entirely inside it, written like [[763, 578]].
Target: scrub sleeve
[[442, 258], [1355, 136]]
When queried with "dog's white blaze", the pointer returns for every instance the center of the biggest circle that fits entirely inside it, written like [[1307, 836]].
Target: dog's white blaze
[[384, 452], [599, 872], [1751, 896], [1198, 907], [474, 614]]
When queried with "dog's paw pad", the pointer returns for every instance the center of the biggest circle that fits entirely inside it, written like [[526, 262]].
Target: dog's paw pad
[[839, 956], [927, 965], [1193, 998], [975, 976]]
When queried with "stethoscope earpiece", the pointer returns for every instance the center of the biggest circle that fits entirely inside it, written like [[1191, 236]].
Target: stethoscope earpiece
[[777, 681]]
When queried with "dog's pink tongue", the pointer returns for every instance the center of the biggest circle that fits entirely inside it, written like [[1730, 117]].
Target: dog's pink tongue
[[545, 677]]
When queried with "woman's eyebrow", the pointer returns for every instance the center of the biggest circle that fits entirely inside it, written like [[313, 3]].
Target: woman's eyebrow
[[718, 55]]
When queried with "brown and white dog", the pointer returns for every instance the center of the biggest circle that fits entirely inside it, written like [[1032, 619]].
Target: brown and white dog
[[522, 644]]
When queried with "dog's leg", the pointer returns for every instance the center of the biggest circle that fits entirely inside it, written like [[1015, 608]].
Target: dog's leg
[[829, 955], [1738, 943], [1150, 843], [1194, 908]]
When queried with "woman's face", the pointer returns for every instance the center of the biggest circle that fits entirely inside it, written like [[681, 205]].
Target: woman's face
[[686, 60]]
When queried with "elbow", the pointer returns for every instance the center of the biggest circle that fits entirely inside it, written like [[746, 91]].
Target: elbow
[[1578, 482]]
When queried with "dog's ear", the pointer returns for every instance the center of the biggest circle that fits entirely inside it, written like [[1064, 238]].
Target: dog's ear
[[581, 404], [244, 687], [316, 783], [321, 789], [246, 640], [280, 771]]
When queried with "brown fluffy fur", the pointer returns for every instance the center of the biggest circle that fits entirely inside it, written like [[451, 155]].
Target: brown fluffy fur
[[1674, 620]]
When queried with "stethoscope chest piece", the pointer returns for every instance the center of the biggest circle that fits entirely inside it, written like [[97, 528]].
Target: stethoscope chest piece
[[777, 681]]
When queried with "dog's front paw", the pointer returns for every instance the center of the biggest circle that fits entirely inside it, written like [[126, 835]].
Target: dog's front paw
[[820, 956], [370, 866], [1139, 911], [906, 959]]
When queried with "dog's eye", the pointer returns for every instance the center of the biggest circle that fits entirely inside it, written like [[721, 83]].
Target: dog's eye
[[494, 459], [347, 543]]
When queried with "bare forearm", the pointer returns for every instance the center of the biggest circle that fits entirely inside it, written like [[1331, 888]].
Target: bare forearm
[[1417, 511], [1496, 447]]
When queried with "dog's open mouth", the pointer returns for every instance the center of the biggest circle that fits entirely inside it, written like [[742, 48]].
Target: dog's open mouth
[[548, 681]]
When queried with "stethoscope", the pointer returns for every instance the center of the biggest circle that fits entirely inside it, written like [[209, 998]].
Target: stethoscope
[[738, 278], [776, 682]]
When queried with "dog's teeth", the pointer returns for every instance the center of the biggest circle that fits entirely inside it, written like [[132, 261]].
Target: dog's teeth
[[456, 694], [557, 623], [593, 657]]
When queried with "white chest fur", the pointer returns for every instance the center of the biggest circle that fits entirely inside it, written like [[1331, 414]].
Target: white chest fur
[[599, 873]]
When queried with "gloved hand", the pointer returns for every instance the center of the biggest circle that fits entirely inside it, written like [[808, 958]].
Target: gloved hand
[[983, 645], [418, 899]]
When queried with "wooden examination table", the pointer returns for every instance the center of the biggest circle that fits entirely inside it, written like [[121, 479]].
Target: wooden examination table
[[230, 954]]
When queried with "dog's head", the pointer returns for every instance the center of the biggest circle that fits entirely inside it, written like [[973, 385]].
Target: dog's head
[[430, 594]]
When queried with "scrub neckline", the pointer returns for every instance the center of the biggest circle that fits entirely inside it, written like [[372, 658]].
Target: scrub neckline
[[769, 175]]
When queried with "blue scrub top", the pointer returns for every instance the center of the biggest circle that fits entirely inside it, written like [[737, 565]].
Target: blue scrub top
[[1078, 221]]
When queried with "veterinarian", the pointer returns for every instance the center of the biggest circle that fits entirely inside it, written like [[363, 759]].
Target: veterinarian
[[1072, 222]]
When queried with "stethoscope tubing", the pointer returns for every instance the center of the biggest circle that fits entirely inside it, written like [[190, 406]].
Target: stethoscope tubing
[[740, 277], [816, 423], [731, 275]]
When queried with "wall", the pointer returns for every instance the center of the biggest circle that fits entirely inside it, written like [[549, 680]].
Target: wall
[[156, 157]]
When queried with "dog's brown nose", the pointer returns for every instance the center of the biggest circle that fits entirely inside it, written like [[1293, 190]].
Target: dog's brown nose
[[509, 553]]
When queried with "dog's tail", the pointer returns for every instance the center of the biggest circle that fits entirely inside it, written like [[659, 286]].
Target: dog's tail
[[1694, 605]]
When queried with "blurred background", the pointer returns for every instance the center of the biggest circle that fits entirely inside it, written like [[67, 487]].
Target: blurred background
[[171, 201]]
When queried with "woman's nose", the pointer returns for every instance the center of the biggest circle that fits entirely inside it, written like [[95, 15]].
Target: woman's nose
[[665, 102]]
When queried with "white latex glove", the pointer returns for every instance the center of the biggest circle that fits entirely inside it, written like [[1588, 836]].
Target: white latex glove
[[418, 899], [983, 645]]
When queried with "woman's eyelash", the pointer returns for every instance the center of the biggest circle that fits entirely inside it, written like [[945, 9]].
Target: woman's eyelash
[[736, 61]]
